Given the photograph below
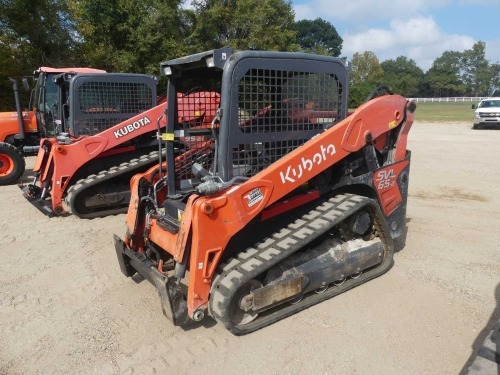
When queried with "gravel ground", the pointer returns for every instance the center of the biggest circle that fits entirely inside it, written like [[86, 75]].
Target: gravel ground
[[65, 308]]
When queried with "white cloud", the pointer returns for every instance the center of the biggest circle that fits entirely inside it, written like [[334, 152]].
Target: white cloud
[[418, 38], [493, 50], [392, 28], [478, 2], [364, 10]]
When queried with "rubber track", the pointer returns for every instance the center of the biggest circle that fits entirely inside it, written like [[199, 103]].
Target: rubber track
[[258, 259], [105, 176]]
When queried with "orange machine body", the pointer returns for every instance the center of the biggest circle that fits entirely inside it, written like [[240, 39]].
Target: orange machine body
[[9, 124], [285, 200], [212, 221], [57, 164]]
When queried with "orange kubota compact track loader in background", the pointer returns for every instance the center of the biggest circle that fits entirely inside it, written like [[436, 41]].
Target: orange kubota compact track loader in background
[[85, 106], [111, 136], [285, 202], [20, 132]]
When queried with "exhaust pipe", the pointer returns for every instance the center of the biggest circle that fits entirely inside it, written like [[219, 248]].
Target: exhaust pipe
[[22, 133]]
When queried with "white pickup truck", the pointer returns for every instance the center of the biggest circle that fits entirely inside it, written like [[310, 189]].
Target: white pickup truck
[[487, 113]]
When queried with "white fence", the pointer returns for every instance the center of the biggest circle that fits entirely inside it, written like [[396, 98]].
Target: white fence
[[452, 99]]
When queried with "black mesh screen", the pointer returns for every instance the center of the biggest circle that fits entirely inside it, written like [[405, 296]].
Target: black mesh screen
[[277, 112], [105, 104], [197, 105]]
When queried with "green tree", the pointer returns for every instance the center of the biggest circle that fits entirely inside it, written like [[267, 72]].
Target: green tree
[[444, 78], [365, 74], [476, 73], [403, 76], [243, 24], [495, 79], [318, 36], [38, 32], [33, 33], [466, 73], [9, 67], [131, 36]]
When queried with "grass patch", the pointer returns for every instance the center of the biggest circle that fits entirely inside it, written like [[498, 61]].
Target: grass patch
[[445, 112]]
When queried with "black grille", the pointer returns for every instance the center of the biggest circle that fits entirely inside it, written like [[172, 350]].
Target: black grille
[[238, 114], [196, 110], [104, 101], [278, 111], [489, 114]]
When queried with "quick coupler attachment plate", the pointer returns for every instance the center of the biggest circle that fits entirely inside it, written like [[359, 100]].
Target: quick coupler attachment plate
[[32, 194], [173, 301]]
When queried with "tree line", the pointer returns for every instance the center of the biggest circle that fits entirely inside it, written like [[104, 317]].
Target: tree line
[[454, 73], [136, 36]]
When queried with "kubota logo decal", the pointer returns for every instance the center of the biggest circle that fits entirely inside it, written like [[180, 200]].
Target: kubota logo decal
[[292, 174], [129, 128]]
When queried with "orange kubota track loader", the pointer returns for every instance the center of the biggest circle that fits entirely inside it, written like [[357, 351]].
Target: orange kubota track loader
[[112, 136], [286, 202], [21, 131]]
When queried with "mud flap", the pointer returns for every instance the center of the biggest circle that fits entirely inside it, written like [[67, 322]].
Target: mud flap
[[173, 302], [44, 206]]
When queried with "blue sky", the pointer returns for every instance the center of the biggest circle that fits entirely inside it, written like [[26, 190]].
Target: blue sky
[[419, 29]]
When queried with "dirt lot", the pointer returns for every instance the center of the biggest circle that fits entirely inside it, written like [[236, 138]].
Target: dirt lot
[[65, 308]]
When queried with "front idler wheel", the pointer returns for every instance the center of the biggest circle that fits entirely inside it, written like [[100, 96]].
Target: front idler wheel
[[240, 309]]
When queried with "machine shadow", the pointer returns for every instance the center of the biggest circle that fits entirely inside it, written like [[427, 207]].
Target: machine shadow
[[400, 242], [27, 177], [485, 356], [207, 321]]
